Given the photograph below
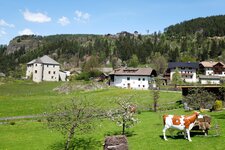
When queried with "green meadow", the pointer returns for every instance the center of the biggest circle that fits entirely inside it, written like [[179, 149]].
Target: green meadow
[[23, 98], [27, 98]]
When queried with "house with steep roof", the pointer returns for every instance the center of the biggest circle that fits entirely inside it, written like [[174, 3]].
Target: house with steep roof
[[43, 69], [132, 78], [186, 69], [212, 68]]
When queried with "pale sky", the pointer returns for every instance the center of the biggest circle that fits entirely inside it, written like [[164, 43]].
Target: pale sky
[[49, 17]]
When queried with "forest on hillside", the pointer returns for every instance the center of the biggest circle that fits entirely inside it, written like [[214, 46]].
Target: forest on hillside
[[195, 40]]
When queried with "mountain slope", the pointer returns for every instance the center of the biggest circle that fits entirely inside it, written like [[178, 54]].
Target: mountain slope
[[209, 26]]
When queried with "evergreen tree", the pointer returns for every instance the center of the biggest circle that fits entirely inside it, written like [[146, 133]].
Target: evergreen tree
[[133, 62]]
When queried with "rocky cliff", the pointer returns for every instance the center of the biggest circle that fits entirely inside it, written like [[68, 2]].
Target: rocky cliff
[[25, 42]]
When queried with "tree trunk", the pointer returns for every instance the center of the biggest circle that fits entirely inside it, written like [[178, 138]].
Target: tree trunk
[[123, 133], [70, 136], [124, 124]]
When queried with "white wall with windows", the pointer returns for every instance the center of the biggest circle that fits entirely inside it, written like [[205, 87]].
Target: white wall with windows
[[37, 72], [132, 82], [208, 71], [50, 72], [187, 74]]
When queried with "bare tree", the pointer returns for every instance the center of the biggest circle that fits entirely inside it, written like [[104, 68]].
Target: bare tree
[[156, 92], [155, 99], [75, 116], [125, 115]]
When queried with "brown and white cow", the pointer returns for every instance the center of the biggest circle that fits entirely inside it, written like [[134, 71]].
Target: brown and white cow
[[182, 122]]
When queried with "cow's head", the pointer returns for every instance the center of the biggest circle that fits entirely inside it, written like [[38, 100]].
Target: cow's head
[[196, 113]]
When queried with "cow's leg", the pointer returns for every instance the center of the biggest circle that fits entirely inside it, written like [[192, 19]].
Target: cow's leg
[[185, 134], [171, 133], [206, 132], [188, 133], [164, 133]]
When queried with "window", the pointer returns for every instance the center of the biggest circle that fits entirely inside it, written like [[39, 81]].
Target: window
[[138, 85], [53, 66], [49, 72], [143, 85], [35, 64], [53, 72], [35, 71], [139, 79], [143, 79], [52, 77], [128, 78]]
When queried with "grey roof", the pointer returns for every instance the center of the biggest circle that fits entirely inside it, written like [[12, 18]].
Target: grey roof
[[183, 64], [133, 71], [44, 60], [209, 77], [31, 62]]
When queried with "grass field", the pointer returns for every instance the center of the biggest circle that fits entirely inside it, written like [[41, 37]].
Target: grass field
[[147, 135], [27, 98]]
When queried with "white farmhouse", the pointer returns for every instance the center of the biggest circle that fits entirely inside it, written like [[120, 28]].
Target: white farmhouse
[[186, 69], [211, 68], [132, 78], [43, 69]]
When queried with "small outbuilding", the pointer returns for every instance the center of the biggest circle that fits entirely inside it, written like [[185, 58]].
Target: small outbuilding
[[206, 79]]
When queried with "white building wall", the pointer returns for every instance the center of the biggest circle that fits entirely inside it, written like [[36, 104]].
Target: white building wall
[[208, 71], [188, 71], [205, 81], [50, 72], [134, 82], [29, 71], [37, 72], [62, 75]]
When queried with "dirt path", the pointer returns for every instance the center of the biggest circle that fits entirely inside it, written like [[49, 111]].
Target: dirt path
[[20, 117]]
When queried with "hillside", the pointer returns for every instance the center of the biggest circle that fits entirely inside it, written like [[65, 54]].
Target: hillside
[[209, 27], [194, 40]]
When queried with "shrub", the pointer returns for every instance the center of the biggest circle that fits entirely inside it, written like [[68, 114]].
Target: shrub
[[87, 75], [218, 105], [83, 76], [200, 99], [12, 123]]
